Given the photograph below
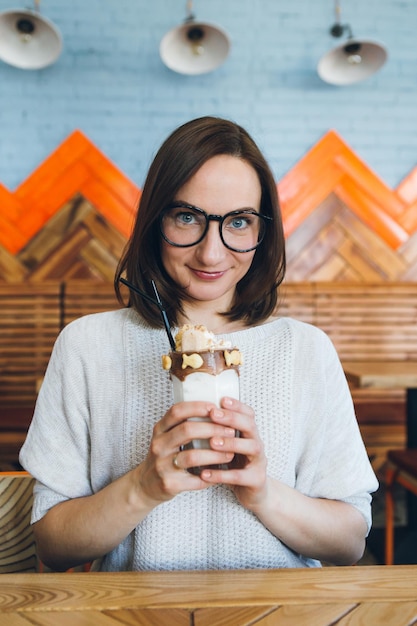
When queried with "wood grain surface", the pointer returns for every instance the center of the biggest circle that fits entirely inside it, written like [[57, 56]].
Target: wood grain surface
[[317, 597], [382, 374], [17, 543]]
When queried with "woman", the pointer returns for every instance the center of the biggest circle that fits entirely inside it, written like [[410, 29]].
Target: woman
[[106, 443]]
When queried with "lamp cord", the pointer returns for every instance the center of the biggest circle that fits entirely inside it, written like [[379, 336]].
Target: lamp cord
[[337, 11]]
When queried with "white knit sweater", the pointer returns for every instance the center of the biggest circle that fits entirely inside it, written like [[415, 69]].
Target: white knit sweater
[[105, 389]]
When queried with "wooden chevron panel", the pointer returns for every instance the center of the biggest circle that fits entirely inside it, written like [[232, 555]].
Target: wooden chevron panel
[[77, 242], [333, 244], [71, 218], [331, 166], [76, 167]]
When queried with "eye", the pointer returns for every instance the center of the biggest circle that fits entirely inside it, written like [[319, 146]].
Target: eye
[[185, 217], [239, 222]]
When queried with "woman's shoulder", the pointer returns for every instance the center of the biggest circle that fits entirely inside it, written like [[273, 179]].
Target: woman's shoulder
[[277, 325], [280, 330], [109, 326], [306, 332], [99, 320], [302, 327]]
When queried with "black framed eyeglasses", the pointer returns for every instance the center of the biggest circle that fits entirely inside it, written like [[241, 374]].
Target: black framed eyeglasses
[[184, 225]]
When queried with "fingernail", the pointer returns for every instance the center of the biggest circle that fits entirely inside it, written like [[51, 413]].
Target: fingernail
[[217, 441]]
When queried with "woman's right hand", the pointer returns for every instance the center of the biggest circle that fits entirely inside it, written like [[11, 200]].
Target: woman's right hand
[[82, 529], [163, 474]]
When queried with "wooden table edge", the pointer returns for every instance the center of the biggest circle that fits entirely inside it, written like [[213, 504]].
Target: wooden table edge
[[190, 590]]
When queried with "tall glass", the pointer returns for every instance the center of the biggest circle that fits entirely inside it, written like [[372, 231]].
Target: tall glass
[[207, 375]]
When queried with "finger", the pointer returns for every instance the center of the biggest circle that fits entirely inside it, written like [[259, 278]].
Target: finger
[[182, 411], [175, 462], [249, 448], [188, 434], [225, 477], [203, 458], [242, 420], [190, 430], [233, 404]]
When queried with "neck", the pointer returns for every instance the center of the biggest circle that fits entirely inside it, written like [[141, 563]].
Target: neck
[[214, 322]]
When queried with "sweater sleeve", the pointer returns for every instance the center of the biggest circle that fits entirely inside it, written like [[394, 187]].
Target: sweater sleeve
[[333, 463], [56, 451]]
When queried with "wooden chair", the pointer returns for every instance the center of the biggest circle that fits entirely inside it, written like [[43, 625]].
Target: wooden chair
[[17, 543], [401, 469]]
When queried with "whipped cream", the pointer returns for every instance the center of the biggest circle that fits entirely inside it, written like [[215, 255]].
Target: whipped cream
[[196, 338]]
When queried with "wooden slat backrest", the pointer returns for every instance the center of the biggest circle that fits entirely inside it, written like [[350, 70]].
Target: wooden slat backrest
[[370, 322], [82, 297], [297, 300], [30, 319], [366, 322], [17, 544]]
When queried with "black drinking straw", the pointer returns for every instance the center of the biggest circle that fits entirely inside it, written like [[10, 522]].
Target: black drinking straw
[[158, 303]]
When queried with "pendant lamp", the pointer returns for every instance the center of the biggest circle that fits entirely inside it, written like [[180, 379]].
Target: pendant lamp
[[28, 40], [354, 60], [194, 47]]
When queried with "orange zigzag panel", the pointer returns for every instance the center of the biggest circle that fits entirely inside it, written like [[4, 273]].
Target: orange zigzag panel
[[331, 166]]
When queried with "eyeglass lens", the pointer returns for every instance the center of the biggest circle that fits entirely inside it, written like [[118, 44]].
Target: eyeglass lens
[[240, 231]]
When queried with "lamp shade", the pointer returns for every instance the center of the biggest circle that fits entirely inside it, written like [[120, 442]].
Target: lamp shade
[[353, 61], [28, 40], [194, 48]]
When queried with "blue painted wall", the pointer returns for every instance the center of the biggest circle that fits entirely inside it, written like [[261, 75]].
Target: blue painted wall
[[110, 83]]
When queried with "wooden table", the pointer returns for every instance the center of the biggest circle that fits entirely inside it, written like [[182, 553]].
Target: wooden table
[[317, 597], [381, 374], [389, 374]]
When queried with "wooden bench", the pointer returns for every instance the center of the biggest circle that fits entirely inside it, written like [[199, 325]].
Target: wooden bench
[[83, 297], [366, 321], [17, 542], [30, 319], [31, 316]]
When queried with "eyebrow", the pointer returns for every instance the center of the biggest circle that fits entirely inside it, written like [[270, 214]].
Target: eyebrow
[[181, 203]]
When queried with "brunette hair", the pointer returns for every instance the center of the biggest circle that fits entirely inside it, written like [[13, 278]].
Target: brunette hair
[[178, 159]]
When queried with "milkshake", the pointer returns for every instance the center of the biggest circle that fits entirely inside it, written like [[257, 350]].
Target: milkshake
[[203, 368]]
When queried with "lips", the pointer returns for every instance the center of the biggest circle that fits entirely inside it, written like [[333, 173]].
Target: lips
[[209, 276]]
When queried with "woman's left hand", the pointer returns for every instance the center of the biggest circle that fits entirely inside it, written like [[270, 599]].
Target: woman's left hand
[[249, 480], [323, 529]]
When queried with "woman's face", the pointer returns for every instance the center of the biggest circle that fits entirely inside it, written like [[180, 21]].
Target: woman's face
[[209, 271]]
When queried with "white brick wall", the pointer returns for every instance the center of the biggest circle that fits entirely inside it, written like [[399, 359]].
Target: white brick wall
[[110, 83]]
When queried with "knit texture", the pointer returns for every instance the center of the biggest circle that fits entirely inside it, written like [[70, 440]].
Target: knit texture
[[104, 390]]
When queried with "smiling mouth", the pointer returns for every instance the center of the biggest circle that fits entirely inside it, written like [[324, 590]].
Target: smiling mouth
[[208, 275]]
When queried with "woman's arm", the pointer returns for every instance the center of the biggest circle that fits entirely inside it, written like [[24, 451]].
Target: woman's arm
[[82, 529], [327, 530]]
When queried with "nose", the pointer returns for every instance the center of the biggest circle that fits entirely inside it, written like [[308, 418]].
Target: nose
[[211, 249]]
